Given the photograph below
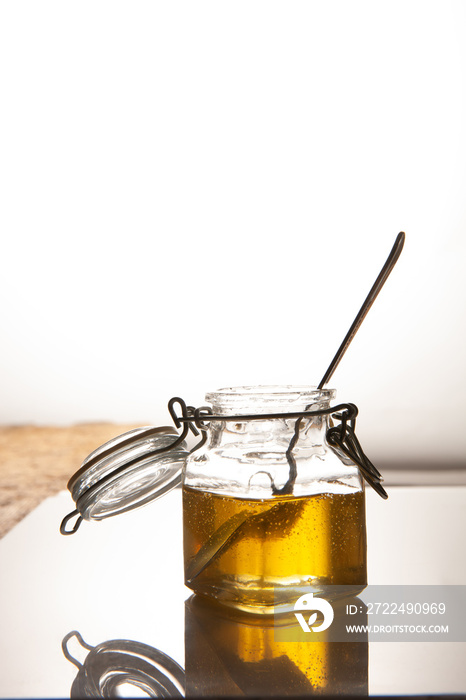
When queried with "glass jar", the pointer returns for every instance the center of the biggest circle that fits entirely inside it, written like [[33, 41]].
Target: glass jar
[[270, 509]]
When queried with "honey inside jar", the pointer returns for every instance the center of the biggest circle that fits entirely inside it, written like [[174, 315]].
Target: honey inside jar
[[257, 554]]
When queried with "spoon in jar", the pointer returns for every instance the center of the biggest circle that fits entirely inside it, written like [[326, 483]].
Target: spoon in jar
[[233, 528], [363, 311]]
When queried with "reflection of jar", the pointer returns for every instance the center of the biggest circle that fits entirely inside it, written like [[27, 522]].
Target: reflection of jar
[[266, 518], [230, 653]]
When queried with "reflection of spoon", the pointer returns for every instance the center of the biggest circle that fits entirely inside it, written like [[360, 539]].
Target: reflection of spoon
[[376, 287], [216, 544], [227, 534]]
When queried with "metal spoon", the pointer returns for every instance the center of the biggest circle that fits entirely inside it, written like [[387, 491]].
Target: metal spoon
[[371, 297], [227, 533]]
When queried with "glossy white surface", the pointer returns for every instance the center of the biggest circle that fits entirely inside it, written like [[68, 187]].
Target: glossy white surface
[[122, 579]]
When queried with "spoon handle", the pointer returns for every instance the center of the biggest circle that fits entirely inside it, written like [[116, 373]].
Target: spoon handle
[[371, 297]]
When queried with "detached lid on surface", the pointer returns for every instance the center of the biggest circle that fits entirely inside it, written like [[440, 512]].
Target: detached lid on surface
[[129, 471]]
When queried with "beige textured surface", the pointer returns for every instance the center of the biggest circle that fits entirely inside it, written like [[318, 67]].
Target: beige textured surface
[[36, 462]]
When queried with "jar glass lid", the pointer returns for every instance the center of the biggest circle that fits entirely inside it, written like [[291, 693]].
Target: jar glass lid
[[129, 471]]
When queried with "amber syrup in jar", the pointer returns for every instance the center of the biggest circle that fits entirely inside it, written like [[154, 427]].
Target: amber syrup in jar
[[261, 553]]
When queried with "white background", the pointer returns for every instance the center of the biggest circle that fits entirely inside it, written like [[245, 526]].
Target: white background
[[200, 194]]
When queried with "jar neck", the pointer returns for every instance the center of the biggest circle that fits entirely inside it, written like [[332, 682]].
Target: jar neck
[[246, 400], [259, 400]]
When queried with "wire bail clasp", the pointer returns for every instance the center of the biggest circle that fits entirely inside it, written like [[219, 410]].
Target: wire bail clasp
[[343, 438]]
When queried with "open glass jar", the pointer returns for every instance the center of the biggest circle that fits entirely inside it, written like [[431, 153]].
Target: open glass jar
[[270, 508]]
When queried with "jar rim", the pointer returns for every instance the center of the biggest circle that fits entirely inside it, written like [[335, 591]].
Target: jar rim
[[292, 396]]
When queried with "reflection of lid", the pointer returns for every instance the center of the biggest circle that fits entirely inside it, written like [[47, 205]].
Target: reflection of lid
[[119, 665], [127, 472]]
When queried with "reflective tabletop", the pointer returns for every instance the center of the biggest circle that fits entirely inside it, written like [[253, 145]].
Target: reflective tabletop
[[106, 612]]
